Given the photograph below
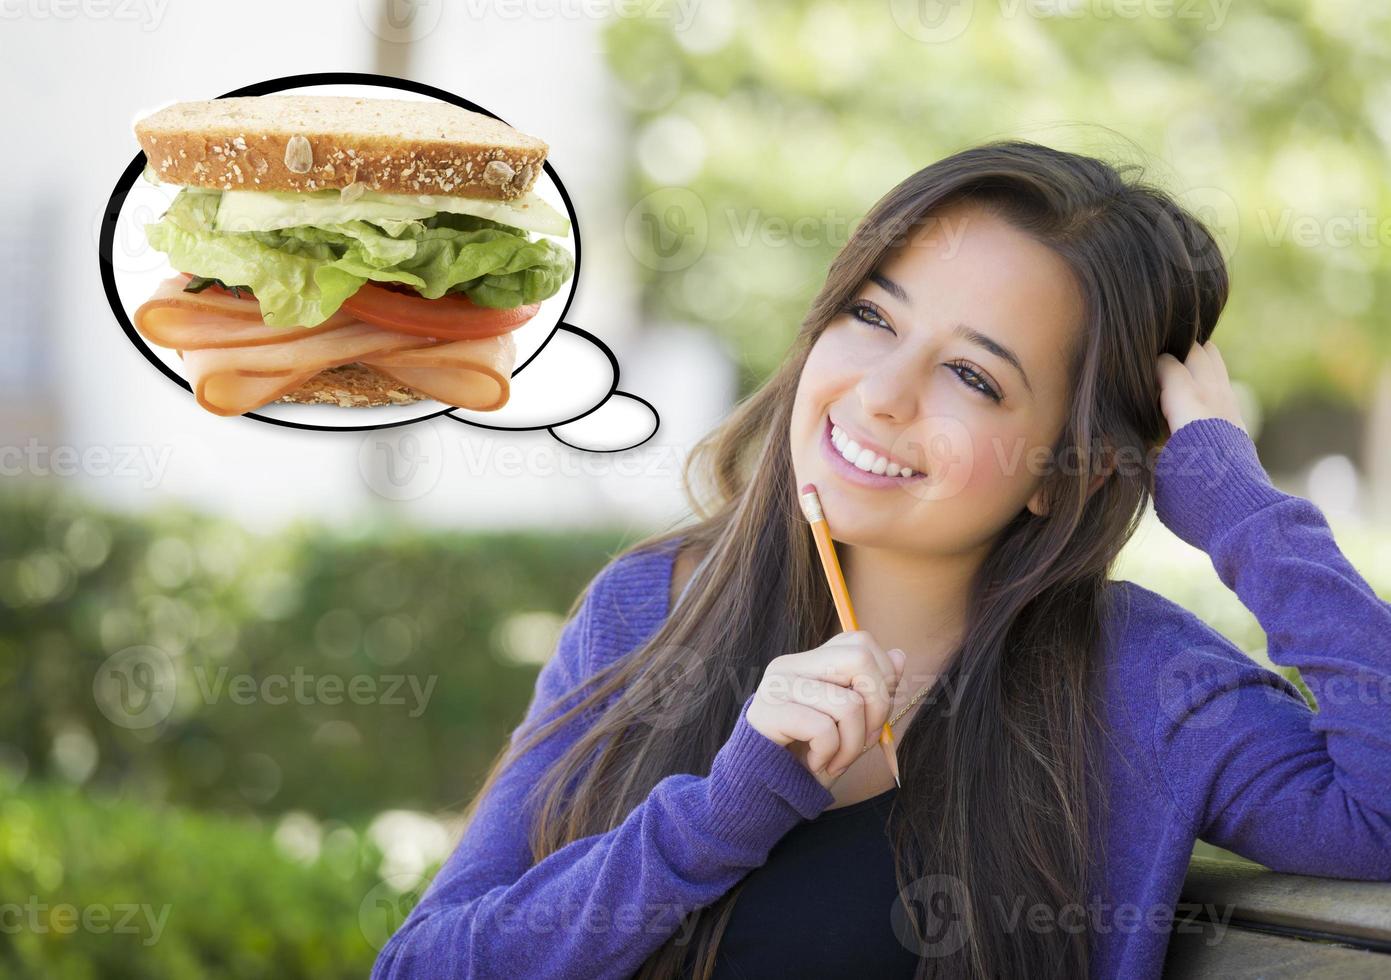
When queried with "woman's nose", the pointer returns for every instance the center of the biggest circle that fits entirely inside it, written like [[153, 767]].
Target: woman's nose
[[891, 391]]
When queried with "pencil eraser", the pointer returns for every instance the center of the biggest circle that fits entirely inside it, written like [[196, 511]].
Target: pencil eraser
[[808, 488]]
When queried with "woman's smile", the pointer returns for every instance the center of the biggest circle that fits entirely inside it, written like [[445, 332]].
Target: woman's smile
[[870, 469]]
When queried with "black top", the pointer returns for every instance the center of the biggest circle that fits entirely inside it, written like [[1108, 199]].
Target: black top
[[820, 906]]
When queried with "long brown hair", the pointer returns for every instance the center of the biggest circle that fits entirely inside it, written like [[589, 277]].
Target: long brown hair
[[1001, 793]]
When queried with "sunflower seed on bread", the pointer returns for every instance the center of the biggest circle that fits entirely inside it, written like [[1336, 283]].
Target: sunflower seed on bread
[[315, 142]]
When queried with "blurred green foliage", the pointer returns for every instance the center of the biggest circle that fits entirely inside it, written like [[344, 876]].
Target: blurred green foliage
[[1159, 561], [336, 673], [764, 131], [98, 815], [97, 888], [179, 658]]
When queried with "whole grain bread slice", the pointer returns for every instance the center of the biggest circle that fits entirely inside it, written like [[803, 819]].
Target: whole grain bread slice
[[353, 385], [314, 142]]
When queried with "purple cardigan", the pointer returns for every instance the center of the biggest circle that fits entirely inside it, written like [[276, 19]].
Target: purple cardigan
[[1204, 742]]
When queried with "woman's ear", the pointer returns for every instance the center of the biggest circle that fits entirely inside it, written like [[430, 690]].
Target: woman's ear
[[1106, 466]]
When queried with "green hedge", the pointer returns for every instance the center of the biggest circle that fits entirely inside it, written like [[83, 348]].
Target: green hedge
[[310, 669], [448, 626], [96, 888]]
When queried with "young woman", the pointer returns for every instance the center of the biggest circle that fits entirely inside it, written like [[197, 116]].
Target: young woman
[[978, 393]]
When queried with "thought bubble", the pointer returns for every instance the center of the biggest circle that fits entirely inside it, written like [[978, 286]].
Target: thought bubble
[[565, 379]]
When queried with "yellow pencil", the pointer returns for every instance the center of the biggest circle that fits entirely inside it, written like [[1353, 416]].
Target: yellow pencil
[[825, 547]]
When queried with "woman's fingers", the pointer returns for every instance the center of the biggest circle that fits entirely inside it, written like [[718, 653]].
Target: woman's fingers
[[803, 723], [1205, 365], [846, 656], [879, 701], [827, 704], [854, 660], [1197, 387], [847, 707]]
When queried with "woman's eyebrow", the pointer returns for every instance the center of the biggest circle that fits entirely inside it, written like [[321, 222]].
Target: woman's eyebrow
[[999, 350], [891, 287], [961, 330]]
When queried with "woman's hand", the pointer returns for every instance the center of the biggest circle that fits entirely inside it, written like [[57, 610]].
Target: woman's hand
[[827, 704], [1197, 388]]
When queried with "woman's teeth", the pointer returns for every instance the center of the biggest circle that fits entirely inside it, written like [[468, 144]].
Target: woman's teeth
[[865, 459]]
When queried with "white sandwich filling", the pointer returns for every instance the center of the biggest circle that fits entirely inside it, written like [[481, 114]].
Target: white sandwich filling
[[273, 210], [865, 459]]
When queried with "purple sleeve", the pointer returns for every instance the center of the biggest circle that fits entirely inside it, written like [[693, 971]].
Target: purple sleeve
[[1244, 757], [600, 905]]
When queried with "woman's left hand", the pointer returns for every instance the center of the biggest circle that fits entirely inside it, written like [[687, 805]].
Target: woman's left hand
[[1196, 388]]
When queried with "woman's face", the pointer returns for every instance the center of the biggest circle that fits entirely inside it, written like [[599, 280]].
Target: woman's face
[[951, 361]]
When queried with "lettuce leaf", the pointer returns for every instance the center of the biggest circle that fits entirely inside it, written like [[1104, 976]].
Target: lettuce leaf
[[301, 275]]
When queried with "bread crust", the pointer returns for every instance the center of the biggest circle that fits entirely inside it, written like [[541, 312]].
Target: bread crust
[[312, 143], [352, 386]]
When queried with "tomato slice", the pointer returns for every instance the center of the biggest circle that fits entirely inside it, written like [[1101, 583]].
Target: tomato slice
[[453, 316]]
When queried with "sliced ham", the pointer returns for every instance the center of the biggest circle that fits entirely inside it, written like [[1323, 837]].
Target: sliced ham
[[191, 321], [235, 362], [234, 380], [473, 374], [171, 293]]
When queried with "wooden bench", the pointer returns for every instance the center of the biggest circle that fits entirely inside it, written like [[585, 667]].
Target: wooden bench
[[1279, 926]]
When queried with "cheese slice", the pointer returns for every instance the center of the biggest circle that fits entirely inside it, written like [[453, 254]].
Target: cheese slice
[[272, 210]]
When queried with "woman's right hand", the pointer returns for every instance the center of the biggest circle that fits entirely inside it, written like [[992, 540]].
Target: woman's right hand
[[828, 703]]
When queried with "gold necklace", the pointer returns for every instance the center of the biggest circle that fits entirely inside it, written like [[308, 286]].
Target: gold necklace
[[897, 715], [911, 701], [900, 712]]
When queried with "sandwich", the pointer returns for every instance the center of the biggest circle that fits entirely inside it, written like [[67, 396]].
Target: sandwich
[[346, 251]]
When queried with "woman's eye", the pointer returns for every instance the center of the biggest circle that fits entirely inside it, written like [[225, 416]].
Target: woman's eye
[[974, 381], [866, 313]]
